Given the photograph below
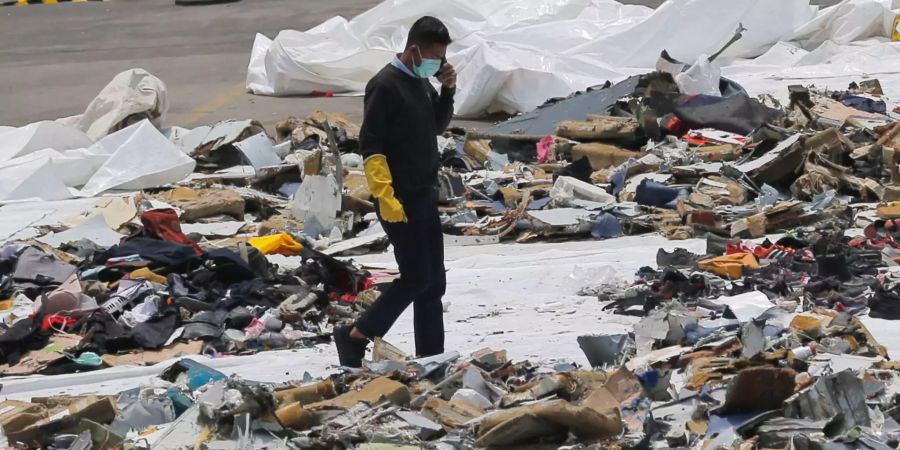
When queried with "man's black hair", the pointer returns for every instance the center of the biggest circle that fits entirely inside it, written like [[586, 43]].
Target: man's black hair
[[427, 31]]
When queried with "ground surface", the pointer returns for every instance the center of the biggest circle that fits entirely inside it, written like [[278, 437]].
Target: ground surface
[[55, 58]]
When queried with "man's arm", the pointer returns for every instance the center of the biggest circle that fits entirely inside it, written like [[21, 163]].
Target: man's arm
[[376, 120], [372, 137], [443, 105], [443, 108]]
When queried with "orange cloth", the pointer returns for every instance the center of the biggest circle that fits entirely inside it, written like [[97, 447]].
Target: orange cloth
[[730, 266]]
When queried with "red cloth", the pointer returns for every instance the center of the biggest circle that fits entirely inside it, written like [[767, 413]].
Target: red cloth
[[675, 126], [163, 224], [57, 322]]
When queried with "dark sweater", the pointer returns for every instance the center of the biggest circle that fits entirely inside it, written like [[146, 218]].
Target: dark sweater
[[402, 117]]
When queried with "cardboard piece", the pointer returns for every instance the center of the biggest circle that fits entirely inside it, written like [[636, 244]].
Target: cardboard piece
[[759, 389], [35, 361], [375, 391], [16, 415], [599, 127], [65, 414], [453, 413], [151, 357], [528, 424], [385, 351], [197, 204], [309, 393], [603, 156]]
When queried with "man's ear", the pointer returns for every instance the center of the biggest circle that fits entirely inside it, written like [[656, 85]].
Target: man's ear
[[415, 54]]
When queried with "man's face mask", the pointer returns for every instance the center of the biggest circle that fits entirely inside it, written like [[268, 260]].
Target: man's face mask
[[428, 67]]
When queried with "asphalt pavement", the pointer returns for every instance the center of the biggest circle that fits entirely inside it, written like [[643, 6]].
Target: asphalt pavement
[[55, 58]]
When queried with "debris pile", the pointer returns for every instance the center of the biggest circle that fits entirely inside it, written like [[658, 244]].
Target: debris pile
[[760, 343], [646, 157], [125, 243], [686, 378], [177, 255]]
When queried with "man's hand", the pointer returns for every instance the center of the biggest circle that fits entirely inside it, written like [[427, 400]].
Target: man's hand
[[448, 76]]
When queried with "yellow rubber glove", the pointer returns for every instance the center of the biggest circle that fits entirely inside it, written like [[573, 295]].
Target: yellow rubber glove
[[378, 174]]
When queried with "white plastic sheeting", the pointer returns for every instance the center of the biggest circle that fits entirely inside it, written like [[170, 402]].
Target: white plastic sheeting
[[143, 158], [30, 178], [15, 142], [94, 229], [701, 78], [133, 94], [500, 49], [134, 158], [25, 220], [846, 22], [511, 55]]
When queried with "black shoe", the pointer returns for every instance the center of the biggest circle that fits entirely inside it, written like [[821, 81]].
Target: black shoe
[[715, 245], [808, 267], [885, 303], [679, 258], [834, 265], [350, 350], [792, 242], [194, 305]]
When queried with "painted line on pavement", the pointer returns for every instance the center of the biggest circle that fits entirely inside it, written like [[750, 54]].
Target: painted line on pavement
[[43, 2]]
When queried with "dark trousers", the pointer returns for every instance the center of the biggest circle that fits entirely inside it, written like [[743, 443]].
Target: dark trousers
[[419, 250]]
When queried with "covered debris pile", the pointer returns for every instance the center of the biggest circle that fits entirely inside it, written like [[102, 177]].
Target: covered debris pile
[[511, 55]]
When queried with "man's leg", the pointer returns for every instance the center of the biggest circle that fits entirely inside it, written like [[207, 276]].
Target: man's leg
[[428, 311], [413, 259]]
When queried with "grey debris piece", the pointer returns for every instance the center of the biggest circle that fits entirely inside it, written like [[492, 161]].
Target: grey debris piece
[[606, 350], [841, 394]]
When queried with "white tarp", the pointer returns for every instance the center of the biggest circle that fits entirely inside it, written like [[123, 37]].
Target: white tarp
[[142, 159], [134, 94], [29, 178], [21, 219], [227, 228], [746, 306], [134, 158], [15, 142], [94, 229], [499, 49], [511, 55]]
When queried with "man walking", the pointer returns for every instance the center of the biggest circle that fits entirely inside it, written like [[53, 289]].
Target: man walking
[[402, 116]]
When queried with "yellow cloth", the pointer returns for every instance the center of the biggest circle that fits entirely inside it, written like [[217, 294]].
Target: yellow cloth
[[378, 174], [148, 275], [731, 266], [889, 211], [281, 243]]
